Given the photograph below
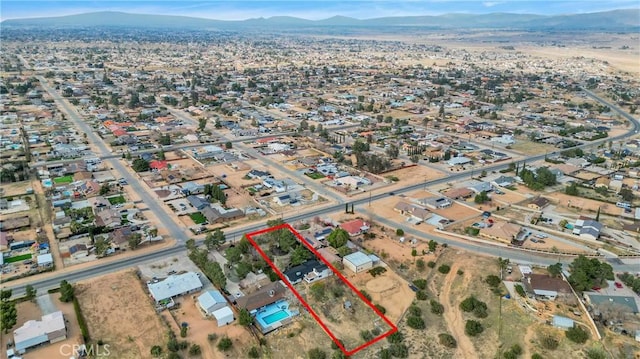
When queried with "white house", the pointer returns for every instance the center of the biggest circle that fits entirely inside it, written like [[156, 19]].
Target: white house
[[50, 329], [357, 262], [459, 161], [504, 139], [174, 286]]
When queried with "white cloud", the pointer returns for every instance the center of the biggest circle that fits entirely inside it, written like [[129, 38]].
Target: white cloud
[[491, 3]]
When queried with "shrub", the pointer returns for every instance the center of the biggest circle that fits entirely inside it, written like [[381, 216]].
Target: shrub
[[380, 308], [366, 295], [415, 322], [577, 335], [536, 356], [471, 304], [460, 272], [316, 353], [212, 337], [493, 280], [384, 353], [366, 335], [225, 344], [548, 342], [400, 232], [421, 295], [447, 340], [156, 351], [84, 329], [436, 308], [520, 290], [415, 311], [420, 264], [480, 312], [420, 283], [473, 328], [195, 350], [399, 350], [444, 269], [377, 271], [254, 353], [431, 264], [595, 353], [183, 332], [396, 337]]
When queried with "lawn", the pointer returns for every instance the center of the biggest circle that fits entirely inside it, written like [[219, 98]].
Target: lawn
[[116, 200], [18, 258], [314, 175], [198, 218], [63, 179]]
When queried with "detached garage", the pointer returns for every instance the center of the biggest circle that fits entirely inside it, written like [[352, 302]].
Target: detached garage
[[223, 316], [357, 262]]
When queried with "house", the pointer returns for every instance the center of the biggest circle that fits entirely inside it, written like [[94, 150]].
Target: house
[[539, 203], [459, 161], [219, 214], [459, 193], [44, 260], [504, 139], [578, 162], [191, 188], [480, 186], [502, 231], [255, 174], [158, 165], [504, 181], [174, 286], [587, 228], [109, 218], [282, 200], [357, 262], [309, 271], [436, 202], [78, 251], [546, 287], [198, 203], [601, 302], [355, 227], [562, 322], [213, 304], [50, 329], [205, 152], [266, 295]]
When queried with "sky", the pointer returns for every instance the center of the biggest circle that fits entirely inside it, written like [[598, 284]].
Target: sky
[[313, 9]]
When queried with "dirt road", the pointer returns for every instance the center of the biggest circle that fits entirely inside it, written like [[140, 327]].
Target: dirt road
[[453, 316]]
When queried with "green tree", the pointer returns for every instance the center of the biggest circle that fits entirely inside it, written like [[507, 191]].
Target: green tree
[[228, 145], [245, 318], [555, 269], [447, 340], [215, 239], [5, 294], [101, 246], [577, 335], [415, 322], [134, 241], [8, 315], [338, 238], [481, 198], [30, 292], [202, 123], [433, 245], [225, 344], [195, 350], [473, 328], [572, 189], [233, 254], [299, 255], [104, 189], [493, 280], [243, 269], [156, 351], [399, 232], [587, 273], [140, 165], [66, 291]]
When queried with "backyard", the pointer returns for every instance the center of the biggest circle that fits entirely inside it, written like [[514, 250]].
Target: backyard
[[116, 200], [198, 218], [63, 179]]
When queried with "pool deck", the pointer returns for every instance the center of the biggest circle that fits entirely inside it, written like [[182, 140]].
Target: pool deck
[[272, 309]]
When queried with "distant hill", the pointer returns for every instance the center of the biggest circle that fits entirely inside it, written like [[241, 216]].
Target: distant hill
[[627, 20]]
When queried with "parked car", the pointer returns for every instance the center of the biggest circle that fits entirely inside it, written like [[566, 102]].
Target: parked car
[[618, 285]]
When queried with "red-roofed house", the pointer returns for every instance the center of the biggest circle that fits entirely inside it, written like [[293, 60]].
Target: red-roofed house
[[355, 227], [119, 132], [158, 165], [266, 140]]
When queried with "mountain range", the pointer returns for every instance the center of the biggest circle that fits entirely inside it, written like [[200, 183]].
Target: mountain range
[[616, 20]]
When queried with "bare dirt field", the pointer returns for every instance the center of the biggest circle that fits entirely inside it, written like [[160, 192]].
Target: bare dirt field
[[119, 312], [389, 290], [200, 328]]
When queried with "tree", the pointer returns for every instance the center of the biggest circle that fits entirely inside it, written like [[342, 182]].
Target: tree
[[300, 255], [245, 318], [66, 291], [415, 322], [627, 194], [8, 315], [473, 328], [432, 245], [30, 292], [225, 344], [140, 165], [104, 189], [233, 254], [195, 350], [316, 353], [444, 269], [587, 273], [5, 294], [577, 335], [134, 241], [481, 198], [493, 280], [202, 123], [215, 239], [399, 232], [572, 189], [555, 269], [161, 155], [447, 340], [243, 269], [228, 145], [338, 238], [156, 351]]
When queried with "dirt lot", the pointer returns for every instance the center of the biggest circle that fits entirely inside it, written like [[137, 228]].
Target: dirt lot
[[389, 290], [119, 312], [200, 328]]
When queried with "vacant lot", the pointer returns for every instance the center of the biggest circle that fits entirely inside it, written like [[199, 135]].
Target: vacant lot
[[120, 313]]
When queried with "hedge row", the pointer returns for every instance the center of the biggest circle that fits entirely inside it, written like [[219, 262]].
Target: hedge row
[[81, 322]]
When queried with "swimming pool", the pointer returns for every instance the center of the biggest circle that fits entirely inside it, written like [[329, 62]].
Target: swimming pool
[[275, 317], [47, 182]]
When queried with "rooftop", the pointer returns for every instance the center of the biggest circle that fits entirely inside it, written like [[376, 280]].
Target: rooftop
[[174, 285], [358, 258]]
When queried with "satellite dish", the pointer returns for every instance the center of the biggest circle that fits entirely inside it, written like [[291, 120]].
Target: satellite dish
[[272, 293]]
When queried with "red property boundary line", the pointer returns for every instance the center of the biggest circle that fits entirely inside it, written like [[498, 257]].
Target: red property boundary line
[[304, 303]]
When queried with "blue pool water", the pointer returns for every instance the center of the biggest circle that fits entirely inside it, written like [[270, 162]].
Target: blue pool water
[[275, 317], [47, 182]]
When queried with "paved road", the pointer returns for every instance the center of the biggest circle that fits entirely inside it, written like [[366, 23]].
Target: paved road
[[116, 265], [175, 230]]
